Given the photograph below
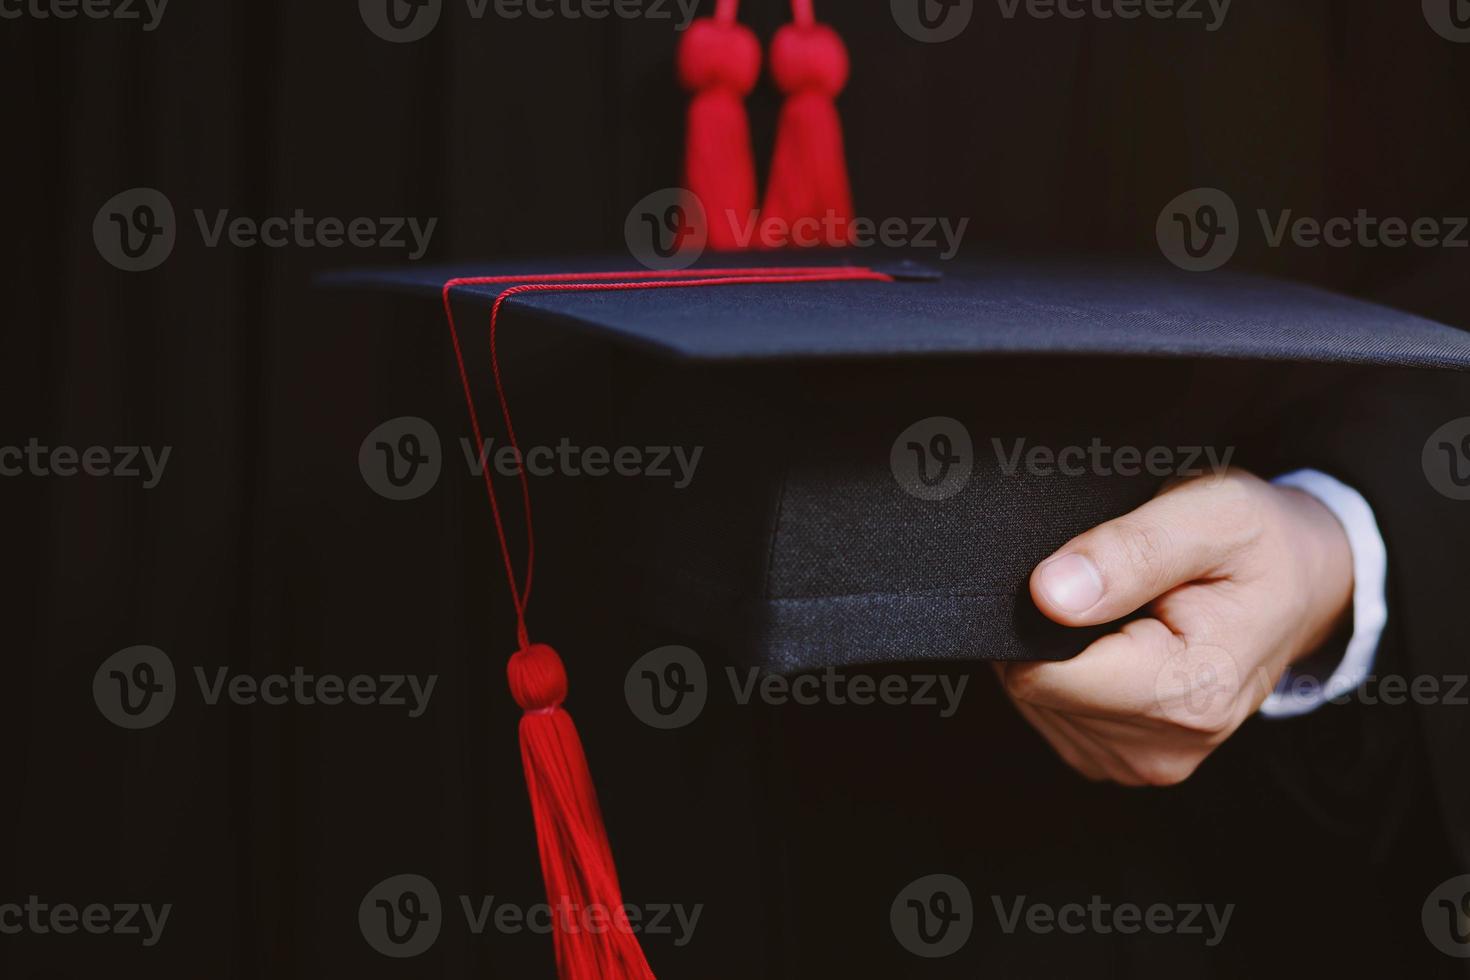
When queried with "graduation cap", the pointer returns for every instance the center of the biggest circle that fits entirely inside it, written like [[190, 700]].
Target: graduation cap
[[887, 451]]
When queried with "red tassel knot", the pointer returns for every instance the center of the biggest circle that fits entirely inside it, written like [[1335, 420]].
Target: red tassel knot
[[809, 57], [538, 681], [719, 61]]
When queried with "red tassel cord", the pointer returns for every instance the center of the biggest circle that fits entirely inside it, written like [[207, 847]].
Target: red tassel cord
[[718, 62], [576, 859], [808, 179]]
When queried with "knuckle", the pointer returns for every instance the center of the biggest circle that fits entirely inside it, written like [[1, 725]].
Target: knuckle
[[1238, 508], [1145, 547]]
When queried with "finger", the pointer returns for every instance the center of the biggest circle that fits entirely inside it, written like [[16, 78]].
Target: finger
[[1188, 532], [1113, 677], [1100, 748]]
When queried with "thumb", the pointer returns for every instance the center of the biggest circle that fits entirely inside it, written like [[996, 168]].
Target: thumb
[[1186, 533]]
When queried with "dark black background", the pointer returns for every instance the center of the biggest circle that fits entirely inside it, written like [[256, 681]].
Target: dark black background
[[263, 549]]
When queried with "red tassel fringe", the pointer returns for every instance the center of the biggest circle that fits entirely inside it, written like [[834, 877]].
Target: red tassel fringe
[[719, 61], [808, 176], [594, 939]]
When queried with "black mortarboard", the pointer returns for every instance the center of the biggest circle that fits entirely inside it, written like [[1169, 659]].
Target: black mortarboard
[[885, 454], [807, 536]]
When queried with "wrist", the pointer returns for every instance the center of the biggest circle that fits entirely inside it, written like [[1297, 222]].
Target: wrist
[[1324, 558]]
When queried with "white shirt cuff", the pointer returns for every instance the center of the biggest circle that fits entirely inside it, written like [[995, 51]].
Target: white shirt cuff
[[1293, 695]]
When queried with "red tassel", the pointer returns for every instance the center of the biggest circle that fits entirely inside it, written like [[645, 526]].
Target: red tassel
[[808, 176], [719, 61], [594, 939]]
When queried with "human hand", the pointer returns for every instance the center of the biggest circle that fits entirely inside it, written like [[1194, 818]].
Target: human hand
[[1240, 579]]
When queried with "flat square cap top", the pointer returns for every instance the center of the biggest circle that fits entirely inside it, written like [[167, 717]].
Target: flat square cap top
[[968, 306]]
